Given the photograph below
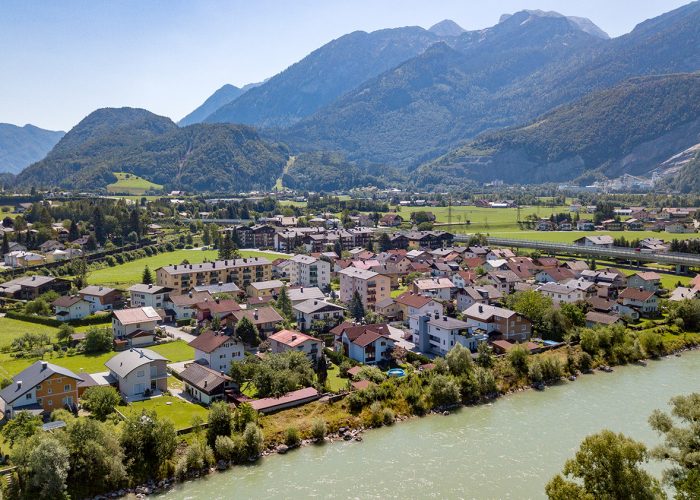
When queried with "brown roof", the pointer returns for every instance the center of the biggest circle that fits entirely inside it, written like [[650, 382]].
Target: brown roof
[[363, 335], [189, 299], [264, 315], [354, 371], [209, 341], [221, 306], [292, 338], [602, 318], [203, 377], [67, 300], [413, 299], [636, 294], [600, 303], [649, 276], [299, 396], [361, 384], [137, 315], [559, 273]]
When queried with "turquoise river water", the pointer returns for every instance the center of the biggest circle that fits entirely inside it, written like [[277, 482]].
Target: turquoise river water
[[508, 449]]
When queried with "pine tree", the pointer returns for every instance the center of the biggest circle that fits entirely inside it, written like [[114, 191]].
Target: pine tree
[[384, 242], [225, 247], [248, 332], [73, 231], [357, 309], [135, 223], [284, 304], [322, 369], [5, 244], [206, 235], [98, 223], [147, 276]]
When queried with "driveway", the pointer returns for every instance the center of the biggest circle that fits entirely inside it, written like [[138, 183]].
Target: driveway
[[177, 333]]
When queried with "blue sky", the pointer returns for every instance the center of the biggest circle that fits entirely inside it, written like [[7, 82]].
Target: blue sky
[[60, 60]]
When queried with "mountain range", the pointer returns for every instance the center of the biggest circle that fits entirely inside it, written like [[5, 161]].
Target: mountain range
[[537, 97], [22, 146]]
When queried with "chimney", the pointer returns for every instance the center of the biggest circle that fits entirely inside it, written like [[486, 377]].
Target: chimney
[[150, 285], [221, 283], [175, 267], [44, 365], [19, 384], [218, 300], [437, 315], [444, 318], [213, 265], [294, 337], [226, 263], [190, 294], [481, 309], [315, 302], [205, 383], [255, 313], [302, 289], [641, 288]]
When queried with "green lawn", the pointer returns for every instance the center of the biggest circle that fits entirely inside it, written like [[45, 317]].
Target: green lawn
[[398, 291], [10, 329], [180, 412], [132, 184], [129, 273], [93, 363], [334, 381]]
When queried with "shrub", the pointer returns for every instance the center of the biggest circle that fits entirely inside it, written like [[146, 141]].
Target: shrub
[[292, 437], [197, 457], [584, 362], [371, 373], [254, 440], [344, 367], [319, 429], [388, 416], [101, 401], [444, 391], [225, 448], [376, 414]]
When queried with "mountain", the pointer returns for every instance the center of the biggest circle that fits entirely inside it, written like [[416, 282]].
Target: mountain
[[324, 75], [448, 93], [446, 28], [688, 178], [582, 23], [629, 129], [201, 157], [22, 146], [510, 73], [223, 96]]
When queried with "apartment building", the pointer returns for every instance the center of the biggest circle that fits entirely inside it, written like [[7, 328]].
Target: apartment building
[[372, 287], [182, 277], [308, 271]]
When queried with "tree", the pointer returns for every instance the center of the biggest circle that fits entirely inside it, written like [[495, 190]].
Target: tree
[[98, 224], [517, 357], [147, 276], [96, 458], [220, 422], [5, 244], [484, 358], [148, 443], [247, 331], [43, 463], [607, 466], [206, 235], [531, 304], [680, 447], [284, 304], [98, 340], [444, 391], [254, 440], [100, 401], [23, 426], [243, 415], [357, 309], [322, 369], [459, 360], [73, 231], [384, 242], [64, 333]]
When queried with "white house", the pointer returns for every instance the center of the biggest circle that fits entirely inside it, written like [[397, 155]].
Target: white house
[[562, 293], [101, 298], [183, 305], [602, 241], [204, 384], [440, 288], [217, 350], [139, 371], [290, 340], [307, 271], [148, 295], [497, 320], [316, 310], [438, 334], [413, 304], [135, 326], [70, 307], [299, 295], [368, 344]]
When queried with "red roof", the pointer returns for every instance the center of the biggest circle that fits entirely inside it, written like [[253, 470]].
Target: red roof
[[209, 341], [298, 397], [412, 299], [292, 338], [636, 294]]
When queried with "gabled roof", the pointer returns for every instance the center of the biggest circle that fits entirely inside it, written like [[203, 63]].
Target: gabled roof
[[67, 301], [636, 294], [434, 283], [203, 378], [265, 314], [602, 318], [313, 305], [648, 276], [32, 376], [267, 285], [209, 341], [190, 299], [96, 290], [143, 288], [218, 306], [292, 338], [411, 299], [486, 312], [127, 361], [305, 293], [363, 335], [137, 315]]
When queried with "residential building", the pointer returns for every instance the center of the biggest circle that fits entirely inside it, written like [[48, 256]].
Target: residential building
[[311, 310], [70, 307], [429, 239], [308, 271], [439, 288], [683, 293], [228, 288], [154, 296], [139, 373], [265, 318], [504, 281], [498, 322], [372, 287], [217, 350], [648, 280], [215, 308], [257, 236], [603, 241], [184, 305], [561, 294], [554, 275], [135, 326], [101, 298], [204, 384], [182, 277], [41, 387], [438, 334], [20, 258], [291, 340], [477, 294], [391, 220], [270, 288], [596, 318], [30, 287], [644, 301], [302, 294], [368, 344], [414, 304]]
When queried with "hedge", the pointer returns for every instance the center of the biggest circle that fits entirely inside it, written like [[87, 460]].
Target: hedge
[[43, 320], [339, 357], [414, 356]]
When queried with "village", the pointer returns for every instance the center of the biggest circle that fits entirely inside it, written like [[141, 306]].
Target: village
[[364, 299]]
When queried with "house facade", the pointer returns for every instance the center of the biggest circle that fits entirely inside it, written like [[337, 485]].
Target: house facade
[[368, 344], [372, 287], [154, 296], [217, 350], [308, 271], [498, 322], [138, 372], [135, 326], [438, 334], [291, 340]]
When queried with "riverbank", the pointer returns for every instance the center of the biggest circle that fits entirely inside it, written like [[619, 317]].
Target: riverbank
[[508, 448], [344, 425]]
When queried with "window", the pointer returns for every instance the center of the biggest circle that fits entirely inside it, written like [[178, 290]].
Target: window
[[50, 402], [50, 391], [38, 387], [29, 396], [66, 388], [140, 373]]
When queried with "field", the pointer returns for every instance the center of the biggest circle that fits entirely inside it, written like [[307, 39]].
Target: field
[[180, 412], [10, 329], [93, 363], [132, 184], [129, 273]]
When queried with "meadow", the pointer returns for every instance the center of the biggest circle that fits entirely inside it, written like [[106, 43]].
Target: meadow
[[132, 184]]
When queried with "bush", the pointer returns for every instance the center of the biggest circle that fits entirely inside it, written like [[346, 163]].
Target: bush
[[388, 416], [376, 414], [517, 357], [584, 362], [444, 391], [197, 457], [343, 369], [371, 373], [292, 437], [254, 440], [100, 401], [225, 448], [319, 429]]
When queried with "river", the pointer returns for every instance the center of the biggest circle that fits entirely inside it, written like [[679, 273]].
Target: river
[[508, 449]]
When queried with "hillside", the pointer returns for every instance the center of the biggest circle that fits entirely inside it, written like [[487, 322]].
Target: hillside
[[324, 75], [630, 128], [199, 157], [22, 146], [222, 96], [688, 178], [520, 68]]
